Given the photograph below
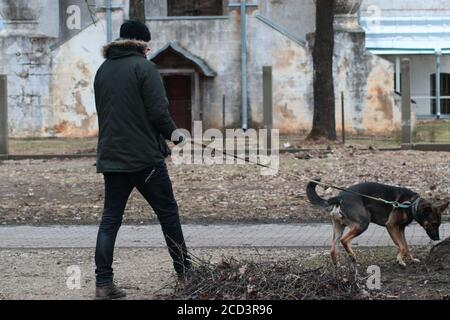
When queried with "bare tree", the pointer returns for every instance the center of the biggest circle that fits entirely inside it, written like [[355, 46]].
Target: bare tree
[[324, 123], [137, 10]]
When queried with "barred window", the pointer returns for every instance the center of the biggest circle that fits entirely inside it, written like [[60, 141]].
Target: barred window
[[445, 91], [195, 7]]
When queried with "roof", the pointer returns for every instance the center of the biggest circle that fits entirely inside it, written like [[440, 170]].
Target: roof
[[200, 63], [407, 35]]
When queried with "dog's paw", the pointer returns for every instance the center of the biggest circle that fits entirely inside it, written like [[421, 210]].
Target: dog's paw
[[400, 261], [415, 260]]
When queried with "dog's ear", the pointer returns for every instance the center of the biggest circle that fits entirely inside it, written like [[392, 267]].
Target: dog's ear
[[425, 206], [441, 206]]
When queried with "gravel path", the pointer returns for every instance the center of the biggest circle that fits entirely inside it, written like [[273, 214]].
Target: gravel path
[[44, 274]]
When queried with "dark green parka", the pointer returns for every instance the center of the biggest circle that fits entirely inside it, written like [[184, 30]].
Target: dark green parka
[[132, 110]]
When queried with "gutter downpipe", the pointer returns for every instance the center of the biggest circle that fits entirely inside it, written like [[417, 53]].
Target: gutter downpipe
[[108, 21], [438, 83], [244, 73]]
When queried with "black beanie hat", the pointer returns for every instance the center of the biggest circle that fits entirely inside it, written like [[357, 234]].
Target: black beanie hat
[[134, 29]]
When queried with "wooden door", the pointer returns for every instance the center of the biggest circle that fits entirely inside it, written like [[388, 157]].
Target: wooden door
[[179, 93]]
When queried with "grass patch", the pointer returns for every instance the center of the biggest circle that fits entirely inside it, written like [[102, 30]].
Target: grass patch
[[52, 146], [437, 131]]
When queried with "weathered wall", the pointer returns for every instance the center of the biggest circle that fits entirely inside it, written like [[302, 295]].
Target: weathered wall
[[53, 95], [48, 23], [216, 41], [292, 77], [156, 8], [75, 63], [74, 67], [381, 114], [367, 82], [299, 19], [26, 62]]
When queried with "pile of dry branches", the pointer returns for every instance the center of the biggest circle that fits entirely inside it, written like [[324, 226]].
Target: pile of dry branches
[[232, 279]]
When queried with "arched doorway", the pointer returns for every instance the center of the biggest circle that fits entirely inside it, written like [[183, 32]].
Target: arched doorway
[[182, 73]]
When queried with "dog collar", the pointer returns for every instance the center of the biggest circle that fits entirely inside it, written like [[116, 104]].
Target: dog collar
[[413, 207]]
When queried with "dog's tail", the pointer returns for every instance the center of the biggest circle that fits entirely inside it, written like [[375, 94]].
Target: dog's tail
[[315, 199]]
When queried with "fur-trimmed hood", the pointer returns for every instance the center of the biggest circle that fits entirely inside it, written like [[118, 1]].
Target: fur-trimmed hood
[[124, 47]]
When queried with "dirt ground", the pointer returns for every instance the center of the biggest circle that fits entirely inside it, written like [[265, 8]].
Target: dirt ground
[[42, 192], [146, 273]]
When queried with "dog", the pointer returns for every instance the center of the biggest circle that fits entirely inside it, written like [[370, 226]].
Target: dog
[[356, 212]]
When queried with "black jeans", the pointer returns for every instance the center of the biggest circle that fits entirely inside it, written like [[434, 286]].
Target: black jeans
[[155, 185]]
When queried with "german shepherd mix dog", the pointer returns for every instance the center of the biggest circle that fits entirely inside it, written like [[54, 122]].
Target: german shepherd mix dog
[[356, 212]]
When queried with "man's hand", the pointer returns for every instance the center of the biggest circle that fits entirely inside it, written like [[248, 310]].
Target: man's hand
[[180, 140], [178, 137]]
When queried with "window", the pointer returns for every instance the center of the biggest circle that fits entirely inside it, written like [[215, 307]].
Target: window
[[445, 91], [195, 7]]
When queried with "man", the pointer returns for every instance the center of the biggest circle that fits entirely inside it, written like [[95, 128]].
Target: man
[[134, 120]]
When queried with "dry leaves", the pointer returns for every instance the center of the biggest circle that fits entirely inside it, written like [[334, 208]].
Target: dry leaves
[[70, 192]]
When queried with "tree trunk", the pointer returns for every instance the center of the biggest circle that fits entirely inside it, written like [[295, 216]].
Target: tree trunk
[[137, 10], [324, 123], [439, 255]]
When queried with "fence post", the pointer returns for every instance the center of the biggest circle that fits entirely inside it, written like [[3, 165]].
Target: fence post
[[3, 115], [224, 122], [406, 104], [343, 117], [268, 104]]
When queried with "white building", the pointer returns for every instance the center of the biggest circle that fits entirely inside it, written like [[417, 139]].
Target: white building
[[420, 31]]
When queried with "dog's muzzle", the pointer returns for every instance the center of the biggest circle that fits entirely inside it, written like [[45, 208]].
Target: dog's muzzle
[[433, 234]]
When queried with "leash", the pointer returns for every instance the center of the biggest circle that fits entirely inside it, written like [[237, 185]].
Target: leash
[[394, 204]]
